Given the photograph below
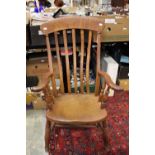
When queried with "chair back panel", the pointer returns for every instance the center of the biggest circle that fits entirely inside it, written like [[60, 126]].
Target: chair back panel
[[67, 60], [74, 59], [73, 23]]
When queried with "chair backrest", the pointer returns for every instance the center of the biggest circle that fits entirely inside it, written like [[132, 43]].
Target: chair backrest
[[73, 23]]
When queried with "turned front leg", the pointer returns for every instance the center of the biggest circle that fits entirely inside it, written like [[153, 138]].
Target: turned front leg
[[105, 133], [47, 135], [48, 129]]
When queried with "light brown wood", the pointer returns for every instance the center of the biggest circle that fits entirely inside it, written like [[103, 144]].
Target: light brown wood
[[50, 65], [88, 61], [59, 62], [74, 59], [48, 129], [67, 61], [92, 125], [98, 63], [47, 135], [108, 80], [103, 126], [81, 61], [49, 54], [103, 98], [48, 97], [70, 22], [77, 108]]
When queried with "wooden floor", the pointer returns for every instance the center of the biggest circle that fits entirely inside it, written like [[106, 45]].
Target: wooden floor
[[35, 126]]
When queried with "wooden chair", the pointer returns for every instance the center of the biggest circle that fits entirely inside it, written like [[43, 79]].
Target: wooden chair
[[78, 108]]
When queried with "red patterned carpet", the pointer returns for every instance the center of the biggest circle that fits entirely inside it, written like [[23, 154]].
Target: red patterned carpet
[[89, 141]]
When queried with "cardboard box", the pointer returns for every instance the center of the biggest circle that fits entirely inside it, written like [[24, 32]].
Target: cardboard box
[[124, 83], [117, 29]]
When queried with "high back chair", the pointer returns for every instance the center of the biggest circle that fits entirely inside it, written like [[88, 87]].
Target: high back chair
[[78, 108]]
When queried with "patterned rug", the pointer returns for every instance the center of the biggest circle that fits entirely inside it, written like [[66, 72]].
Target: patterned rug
[[90, 141]]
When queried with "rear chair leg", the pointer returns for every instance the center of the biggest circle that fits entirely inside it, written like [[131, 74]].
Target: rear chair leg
[[47, 135], [103, 125], [48, 128]]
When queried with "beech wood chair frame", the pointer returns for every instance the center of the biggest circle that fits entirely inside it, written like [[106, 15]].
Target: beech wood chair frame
[[92, 25]]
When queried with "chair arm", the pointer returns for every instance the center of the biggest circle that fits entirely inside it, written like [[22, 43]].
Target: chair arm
[[39, 89], [108, 81]]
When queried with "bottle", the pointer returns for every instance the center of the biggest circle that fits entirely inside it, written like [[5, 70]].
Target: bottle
[[36, 7]]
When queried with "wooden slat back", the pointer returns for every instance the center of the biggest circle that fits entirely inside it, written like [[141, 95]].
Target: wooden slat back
[[50, 65], [81, 61], [67, 60], [59, 62], [74, 59], [88, 60], [92, 24], [98, 63], [72, 22]]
